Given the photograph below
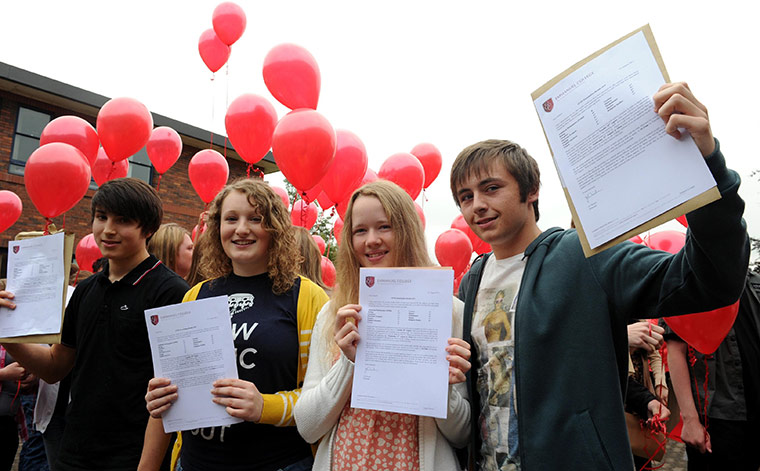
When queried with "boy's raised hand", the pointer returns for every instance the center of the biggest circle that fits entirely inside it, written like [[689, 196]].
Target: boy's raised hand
[[677, 106]]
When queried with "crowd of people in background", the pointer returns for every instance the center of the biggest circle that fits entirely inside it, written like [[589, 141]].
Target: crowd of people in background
[[547, 349]]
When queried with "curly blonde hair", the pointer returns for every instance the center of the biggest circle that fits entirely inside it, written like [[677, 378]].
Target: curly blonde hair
[[283, 258], [409, 247]]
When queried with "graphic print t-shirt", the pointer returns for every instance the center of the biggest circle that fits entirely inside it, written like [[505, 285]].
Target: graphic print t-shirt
[[265, 330], [493, 333]]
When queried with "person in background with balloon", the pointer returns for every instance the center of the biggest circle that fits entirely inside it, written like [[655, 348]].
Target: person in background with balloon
[[104, 341], [382, 229], [173, 246], [721, 416], [568, 303], [311, 263], [252, 257]]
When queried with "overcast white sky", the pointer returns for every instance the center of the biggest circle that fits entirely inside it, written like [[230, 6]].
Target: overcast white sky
[[398, 73]]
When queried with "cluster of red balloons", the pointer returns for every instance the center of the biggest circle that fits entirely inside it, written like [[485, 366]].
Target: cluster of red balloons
[[228, 22], [704, 330], [58, 173]]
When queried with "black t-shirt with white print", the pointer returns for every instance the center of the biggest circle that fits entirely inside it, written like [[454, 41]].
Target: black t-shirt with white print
[[265, 330]]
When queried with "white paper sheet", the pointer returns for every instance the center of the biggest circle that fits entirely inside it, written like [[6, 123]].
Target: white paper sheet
[[191, 344], [406, 323], [36, 278], [619, 166]]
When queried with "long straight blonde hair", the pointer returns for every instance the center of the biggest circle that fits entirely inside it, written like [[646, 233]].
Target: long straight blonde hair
[[409, 248]]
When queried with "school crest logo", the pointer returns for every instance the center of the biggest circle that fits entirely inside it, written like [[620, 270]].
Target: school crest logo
[[548, 105], [15, 249], [154, 319], [370, 280]]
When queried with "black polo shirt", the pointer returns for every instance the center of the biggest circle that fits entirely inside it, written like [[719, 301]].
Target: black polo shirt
[[105, 324]]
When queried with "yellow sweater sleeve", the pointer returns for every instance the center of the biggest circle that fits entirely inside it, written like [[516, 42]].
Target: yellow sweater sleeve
[[278, 407]]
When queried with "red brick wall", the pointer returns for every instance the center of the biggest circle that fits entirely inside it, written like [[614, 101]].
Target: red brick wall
[[181, 204]]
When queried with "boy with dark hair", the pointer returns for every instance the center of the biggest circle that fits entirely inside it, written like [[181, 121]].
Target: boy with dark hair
[[104, 340], [547, 393]]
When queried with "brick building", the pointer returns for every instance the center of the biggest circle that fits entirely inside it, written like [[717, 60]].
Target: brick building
[[29, 101]]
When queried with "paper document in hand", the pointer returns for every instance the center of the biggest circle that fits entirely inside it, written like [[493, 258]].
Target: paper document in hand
[[191, 344], [36, 278], [615, 160], [406, 323]]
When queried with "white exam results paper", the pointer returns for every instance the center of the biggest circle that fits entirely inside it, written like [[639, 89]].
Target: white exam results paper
[[191, 344], [36, 278], [612, 153], [406, 323]]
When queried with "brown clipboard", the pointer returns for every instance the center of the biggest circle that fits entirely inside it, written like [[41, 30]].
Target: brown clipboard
[[68, 252], [696, 202]]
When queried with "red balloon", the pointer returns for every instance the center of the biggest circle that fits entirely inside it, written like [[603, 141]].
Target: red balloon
[[208, 171], [87, 252], [312, 194], [124, 127], [430, 158], [164, 148], [292, 76], [304, 214], [369, 177], [453, 249], [10, 209], [229, 22], [105, 169], [482, 247], [404, 170], [213, 51], [682, 220], [421, 214], [324, 201], [283, 195], [75, 131], [250, 123], [668, 241], [303, 146], [328, 272], [56, 177], [320, 242], [478, 244], [337, 229], [347, 169], [636, 240], [705, 330]]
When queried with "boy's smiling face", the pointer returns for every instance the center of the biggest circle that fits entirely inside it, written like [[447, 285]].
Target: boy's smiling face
[[120, 240]]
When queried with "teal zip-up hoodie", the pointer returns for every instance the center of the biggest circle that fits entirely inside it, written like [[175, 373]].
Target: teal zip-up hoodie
[[571, 345]]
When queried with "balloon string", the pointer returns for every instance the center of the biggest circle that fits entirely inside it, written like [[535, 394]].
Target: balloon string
[[46, 231], [211, 139], [656, 424], [76, 277], [258, 172], [248, 171], [158, 185], [63, 225], [110, 171]]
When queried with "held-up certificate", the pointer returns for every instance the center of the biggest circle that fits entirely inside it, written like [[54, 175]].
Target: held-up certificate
[[37, 279], [406, 323], [191, 344], [621, 172]]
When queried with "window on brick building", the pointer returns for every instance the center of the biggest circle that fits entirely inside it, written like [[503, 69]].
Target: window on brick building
[[29, 126], [140, 166]]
